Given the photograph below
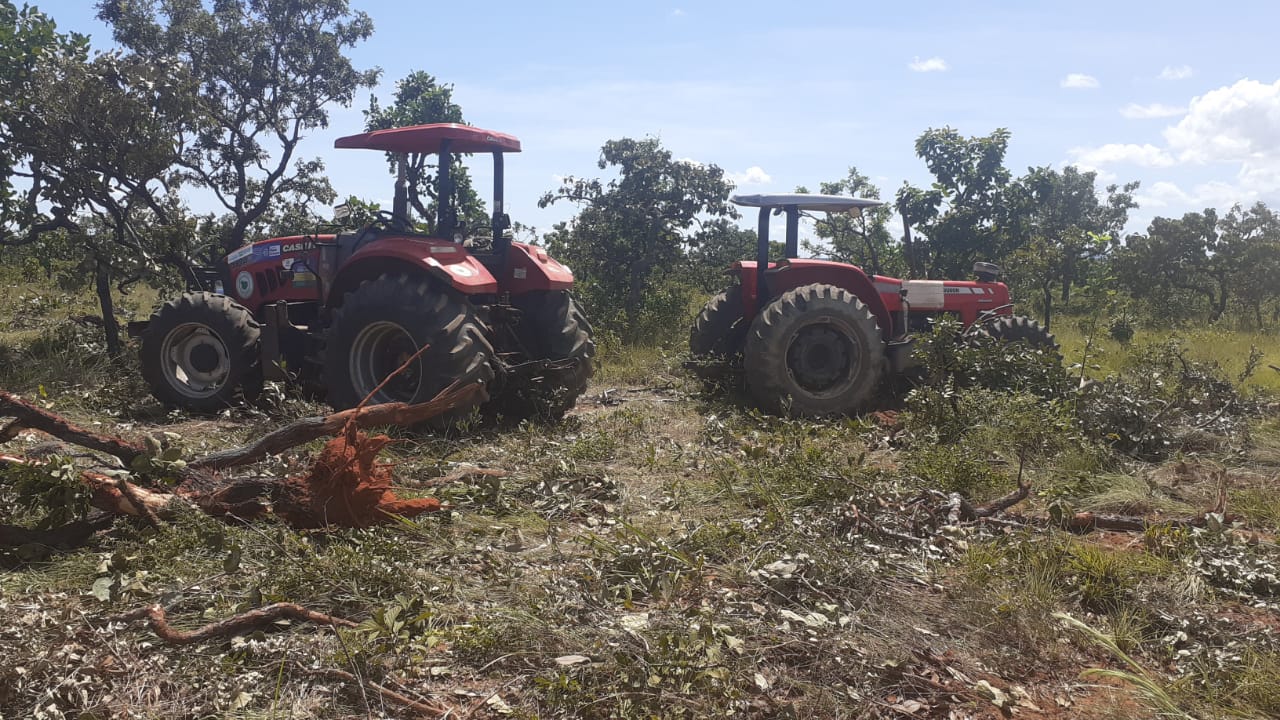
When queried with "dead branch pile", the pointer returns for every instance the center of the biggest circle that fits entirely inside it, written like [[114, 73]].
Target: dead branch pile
[[346, 485]]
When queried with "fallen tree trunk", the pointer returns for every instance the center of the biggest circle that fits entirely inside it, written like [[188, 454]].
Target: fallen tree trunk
[[27, 416], [345, 486], [1088, 522], [63, 537], [107, 494], [308, 429]]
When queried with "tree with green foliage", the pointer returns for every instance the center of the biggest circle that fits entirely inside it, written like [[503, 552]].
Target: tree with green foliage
[[1060, 230], [96, 144], [28, 40], [960, 216], [419, 100], [1251, 239], [717, 245], [1177, 262], [862, 239], [632, 230], [266, 73]]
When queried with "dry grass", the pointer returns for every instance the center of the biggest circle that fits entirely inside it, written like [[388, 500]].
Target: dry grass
[[1230, 349]]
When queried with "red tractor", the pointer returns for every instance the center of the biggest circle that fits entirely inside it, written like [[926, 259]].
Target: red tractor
[[816, 337], [343, 311]]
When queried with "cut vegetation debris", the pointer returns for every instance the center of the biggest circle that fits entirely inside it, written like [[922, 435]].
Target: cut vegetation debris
[[664, 553]]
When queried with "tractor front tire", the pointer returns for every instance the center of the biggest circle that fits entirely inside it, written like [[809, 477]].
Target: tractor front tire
[[552, 328], [718, 334], [814, 352], [1021, 329], [198, 349], [382, 323]]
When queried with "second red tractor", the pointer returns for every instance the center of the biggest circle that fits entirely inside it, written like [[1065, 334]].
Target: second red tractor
[[815, 337]]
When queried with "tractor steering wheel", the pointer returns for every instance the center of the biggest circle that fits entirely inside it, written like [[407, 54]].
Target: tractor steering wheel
[[387, 220]]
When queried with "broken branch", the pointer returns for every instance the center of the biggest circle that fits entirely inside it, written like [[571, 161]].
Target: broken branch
[[158, 619], [63, 537], [308, 429], [419, 706], [28, 416]]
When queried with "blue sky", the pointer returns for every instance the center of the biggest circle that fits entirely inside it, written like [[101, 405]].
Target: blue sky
[[1184, 97]]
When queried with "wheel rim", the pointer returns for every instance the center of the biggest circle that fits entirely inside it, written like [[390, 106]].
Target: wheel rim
[[379, 350], [196, 361], [821, 358]]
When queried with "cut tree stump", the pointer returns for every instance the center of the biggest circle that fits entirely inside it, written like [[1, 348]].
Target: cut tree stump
[[346, 486]]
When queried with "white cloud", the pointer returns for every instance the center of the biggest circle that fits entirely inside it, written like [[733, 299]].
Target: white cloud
[[1146, 155], [1134, 111], [754, 175], [1214, 194], [1079, 81], [1236, 123], [1162, 194], [691, 161], [1237, 126], [677, 13], [1181, 72], [933, 64]]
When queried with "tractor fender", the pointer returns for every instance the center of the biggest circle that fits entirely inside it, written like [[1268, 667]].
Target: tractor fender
[[791, 274], [447, 262], [529, 268]]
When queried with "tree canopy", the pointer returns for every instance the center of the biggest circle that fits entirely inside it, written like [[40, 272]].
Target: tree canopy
[[419, 100], [865, 239], [634, 229], [961, 214], [266, 73]]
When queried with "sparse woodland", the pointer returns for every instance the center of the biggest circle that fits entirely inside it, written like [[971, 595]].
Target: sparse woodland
[[1006, 535]]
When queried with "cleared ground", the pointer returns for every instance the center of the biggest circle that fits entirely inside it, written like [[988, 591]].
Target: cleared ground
[[665, 552]]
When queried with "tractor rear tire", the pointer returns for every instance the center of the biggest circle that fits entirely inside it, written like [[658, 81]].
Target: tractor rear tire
[[1021, 329], [815, 351], [382, 323], [198, 349], [552, 328], [718, 334]]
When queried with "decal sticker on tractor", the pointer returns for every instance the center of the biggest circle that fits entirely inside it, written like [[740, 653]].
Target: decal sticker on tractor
[[239, 256], [244, 284], [302, 275], [925, 293], [298, 246], [461, 270]]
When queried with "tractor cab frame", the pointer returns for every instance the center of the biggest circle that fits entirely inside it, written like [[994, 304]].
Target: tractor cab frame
[[793, 205], [411, 146]]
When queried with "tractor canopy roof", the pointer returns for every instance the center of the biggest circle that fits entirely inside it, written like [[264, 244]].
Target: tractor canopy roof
[[428, 139], [805, 201]]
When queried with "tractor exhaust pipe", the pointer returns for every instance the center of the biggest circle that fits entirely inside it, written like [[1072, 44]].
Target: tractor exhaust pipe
[[400, 204]]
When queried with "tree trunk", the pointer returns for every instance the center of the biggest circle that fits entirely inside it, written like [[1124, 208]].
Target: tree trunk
[[1068, 277], [1048, 306], [110, 326], [1220, 306], [913, 261]]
